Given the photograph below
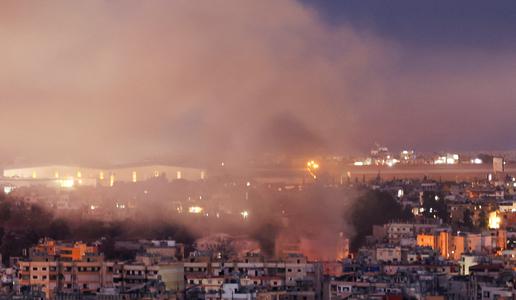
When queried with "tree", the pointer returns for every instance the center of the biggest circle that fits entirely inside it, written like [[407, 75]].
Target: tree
[[5, 211], [223, 249], [373, 208], [467, 220], [483, 219], [435, 206]]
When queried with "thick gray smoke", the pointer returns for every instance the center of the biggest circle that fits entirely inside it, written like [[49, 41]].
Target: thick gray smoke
[[122, 81], [129, 80]]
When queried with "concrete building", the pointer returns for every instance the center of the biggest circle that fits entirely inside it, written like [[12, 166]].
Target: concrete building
[[398, 231], [53, 275], [64, 176], [129, 276], [388, 254]]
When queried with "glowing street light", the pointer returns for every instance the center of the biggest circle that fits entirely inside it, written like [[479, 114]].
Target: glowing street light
[[312, 167], [195, 209]]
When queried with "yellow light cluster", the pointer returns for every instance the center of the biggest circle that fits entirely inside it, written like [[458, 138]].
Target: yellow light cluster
[[311, 167], [195, 209], [67, 183]]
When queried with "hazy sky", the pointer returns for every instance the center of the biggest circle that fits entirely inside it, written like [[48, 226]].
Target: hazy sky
[[116, 81]]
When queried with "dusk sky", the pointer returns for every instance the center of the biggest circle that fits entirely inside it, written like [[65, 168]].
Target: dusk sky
[[118, 81]]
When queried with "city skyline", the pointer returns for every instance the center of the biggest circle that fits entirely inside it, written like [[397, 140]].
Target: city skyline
[[258, 150]]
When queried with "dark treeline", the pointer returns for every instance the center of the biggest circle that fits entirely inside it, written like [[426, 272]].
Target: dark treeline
[[315, 212], [374, 208], [22, 225]]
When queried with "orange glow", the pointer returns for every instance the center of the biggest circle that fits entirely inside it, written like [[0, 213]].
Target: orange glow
[[494, 220], [312, 167], [195, 209], [426, 240]]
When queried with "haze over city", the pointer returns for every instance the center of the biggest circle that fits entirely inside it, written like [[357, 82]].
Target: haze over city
[[109, 81], [258, 150]]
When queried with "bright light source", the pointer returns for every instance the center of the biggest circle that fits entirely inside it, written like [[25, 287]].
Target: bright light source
[[312, 164], [440, 160], [494, 220], [248, 184], [8, 189], [66, 183], [391, 162], [195, 209], [311, 167], [134, 177], [476, 161], [358, 163], [245, 214]]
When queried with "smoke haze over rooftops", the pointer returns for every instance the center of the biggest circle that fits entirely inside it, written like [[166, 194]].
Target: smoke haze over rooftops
[[117, 81]]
